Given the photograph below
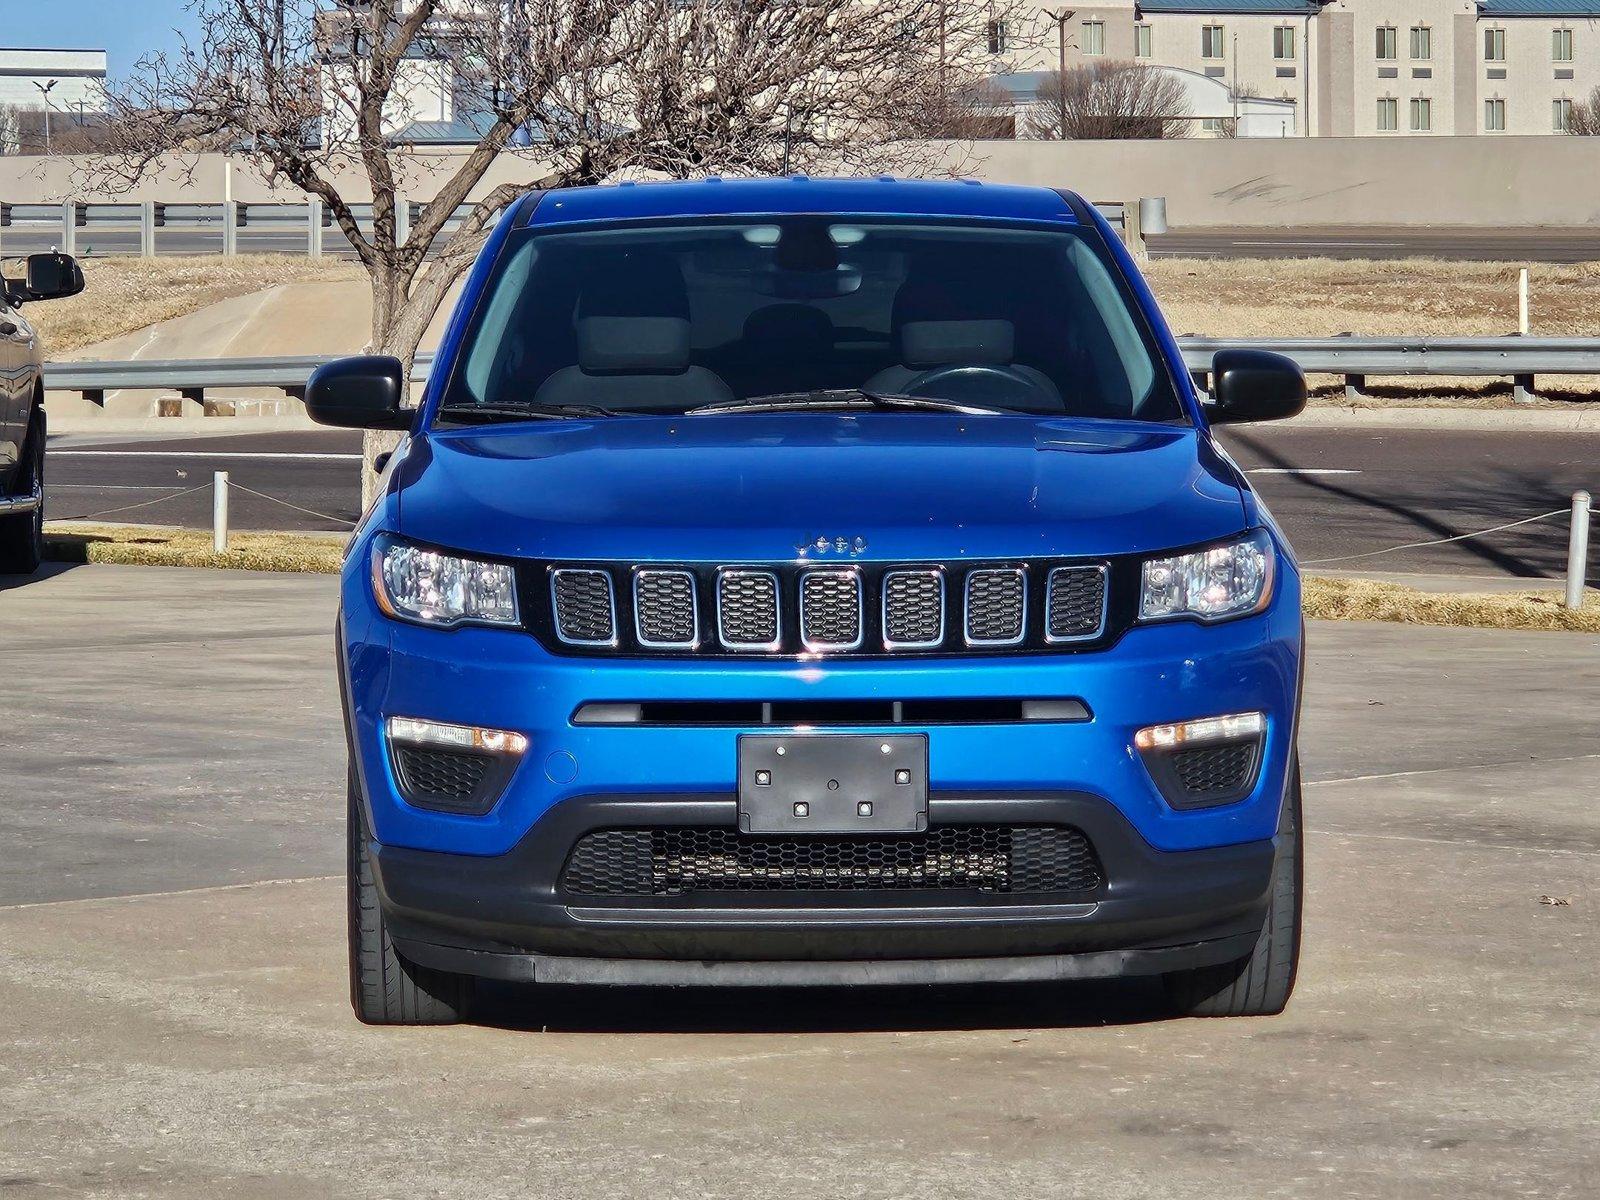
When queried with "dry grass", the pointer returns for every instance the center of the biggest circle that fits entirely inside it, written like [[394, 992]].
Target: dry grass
[[127, 294], [1320, 297], [1372, 600], [155, 546]]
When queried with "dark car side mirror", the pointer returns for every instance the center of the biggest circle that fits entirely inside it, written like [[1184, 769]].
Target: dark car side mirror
[[362, 392], [1255, 385], [52, 276]]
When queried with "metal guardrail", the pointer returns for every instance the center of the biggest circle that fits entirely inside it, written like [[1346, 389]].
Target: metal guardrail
[[1521, 359], [1355, 358]]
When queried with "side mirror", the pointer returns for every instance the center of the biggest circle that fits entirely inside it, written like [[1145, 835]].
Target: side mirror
[[52, 276], [1255, 385], [363, 392]]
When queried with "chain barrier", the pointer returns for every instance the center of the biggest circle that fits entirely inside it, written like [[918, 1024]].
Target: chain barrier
[[1460, 537]]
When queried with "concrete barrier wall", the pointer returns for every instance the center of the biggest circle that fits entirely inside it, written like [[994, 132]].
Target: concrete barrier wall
[[1468, 181]]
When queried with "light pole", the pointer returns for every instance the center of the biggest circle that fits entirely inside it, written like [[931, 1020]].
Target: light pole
[[44, 90], [1061, 16]]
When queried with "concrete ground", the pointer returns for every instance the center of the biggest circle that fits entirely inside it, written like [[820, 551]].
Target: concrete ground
[[176, 1022]]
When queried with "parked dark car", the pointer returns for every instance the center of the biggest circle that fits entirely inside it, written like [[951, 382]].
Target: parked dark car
[[22, 430]]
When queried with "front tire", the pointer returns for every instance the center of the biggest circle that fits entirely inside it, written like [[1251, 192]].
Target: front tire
[[22, 534], [385, 989], [1260, 984]]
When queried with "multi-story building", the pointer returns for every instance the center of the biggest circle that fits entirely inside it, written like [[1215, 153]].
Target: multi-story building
[[65, 81], [1341, 68]]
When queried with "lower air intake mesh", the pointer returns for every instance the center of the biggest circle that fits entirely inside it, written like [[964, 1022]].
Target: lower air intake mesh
[[680, 860]]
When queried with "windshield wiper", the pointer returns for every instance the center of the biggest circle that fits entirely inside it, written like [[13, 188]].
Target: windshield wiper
[[486, 413], [841, 398]]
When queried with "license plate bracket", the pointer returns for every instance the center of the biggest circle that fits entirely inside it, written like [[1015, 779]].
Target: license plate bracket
[[833, 783]]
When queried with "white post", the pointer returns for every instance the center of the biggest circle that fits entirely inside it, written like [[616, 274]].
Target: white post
[[219, 512], [1522, 302], [147, 229], [230, 227], [402, 220], [314, 226], [69, 227], [1578, 550]]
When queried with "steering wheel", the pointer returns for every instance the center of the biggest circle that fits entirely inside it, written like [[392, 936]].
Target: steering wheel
[[995, 384]]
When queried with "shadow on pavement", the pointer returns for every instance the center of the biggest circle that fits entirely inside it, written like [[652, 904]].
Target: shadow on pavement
[[48, 570], [572, 1009]]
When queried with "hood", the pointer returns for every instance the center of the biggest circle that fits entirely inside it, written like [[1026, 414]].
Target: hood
[[767, 487]]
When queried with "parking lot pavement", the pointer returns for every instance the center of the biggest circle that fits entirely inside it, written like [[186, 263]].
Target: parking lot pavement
[[176, 1024]]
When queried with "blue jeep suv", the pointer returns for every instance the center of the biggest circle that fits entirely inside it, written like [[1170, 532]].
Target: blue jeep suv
[[816, 582]]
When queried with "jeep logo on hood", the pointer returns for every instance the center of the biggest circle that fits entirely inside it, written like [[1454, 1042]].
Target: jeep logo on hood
[[823, 544]]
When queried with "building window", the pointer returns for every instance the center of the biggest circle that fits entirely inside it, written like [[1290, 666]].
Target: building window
[[1494, 45], [997, 37], [1211, 41], [1142, 42], [1388, 114], [1494, 116], [1561, 45], [1421, 42], [1421, 114], [1213, 125], [1283, 42], [1561, 116], [1386, 41], [1094, 37]]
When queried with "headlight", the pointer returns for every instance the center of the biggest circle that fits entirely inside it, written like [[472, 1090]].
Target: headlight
[[1227, 580], [414, 584]]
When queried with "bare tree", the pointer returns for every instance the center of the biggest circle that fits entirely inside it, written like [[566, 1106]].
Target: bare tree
[[1584, 120], [320, 94], [1109, 99]]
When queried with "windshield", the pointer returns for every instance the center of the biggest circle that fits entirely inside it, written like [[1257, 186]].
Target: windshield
[[673, 317]]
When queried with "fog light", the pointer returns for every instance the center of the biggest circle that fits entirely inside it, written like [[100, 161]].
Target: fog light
[[1207, 729], [414, 732]]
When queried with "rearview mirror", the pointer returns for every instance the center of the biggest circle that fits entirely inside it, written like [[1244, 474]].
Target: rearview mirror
[[362, 392], [1255, 385], [52, 276]]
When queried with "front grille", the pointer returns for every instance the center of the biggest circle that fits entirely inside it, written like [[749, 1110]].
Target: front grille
[[1075, 606], [747, 610], [665, 609], [585, 614], [684, 860], [802, 608], [913, 609], [1215, 770], [996, 602], [830, 610], [439, 774]]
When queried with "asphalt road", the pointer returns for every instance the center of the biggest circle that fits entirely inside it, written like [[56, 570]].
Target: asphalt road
[[1376, 241], [177, 1023], [1338, 492]]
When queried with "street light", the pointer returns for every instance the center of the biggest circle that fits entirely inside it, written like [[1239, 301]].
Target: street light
[[44, 90], [1061, 16]]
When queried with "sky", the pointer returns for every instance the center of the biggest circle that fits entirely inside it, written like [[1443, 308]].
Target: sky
[[126, 29]]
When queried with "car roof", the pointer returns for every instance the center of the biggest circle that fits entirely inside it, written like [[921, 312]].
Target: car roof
[[799, 194]]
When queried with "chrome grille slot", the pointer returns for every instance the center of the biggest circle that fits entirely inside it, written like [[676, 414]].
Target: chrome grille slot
[[913, 610], [830, 610], [585, 608], [665, 612], [1075, 607], [997, 605], [747, 610]]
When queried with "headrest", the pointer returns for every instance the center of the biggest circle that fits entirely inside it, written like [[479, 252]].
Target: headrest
[[943, 343], [633, 345]]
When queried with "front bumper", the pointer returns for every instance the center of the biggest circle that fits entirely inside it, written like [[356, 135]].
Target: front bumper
[[481, 894], [507, 917]]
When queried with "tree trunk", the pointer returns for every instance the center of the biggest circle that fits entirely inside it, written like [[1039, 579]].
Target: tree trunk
[[388, 302]]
